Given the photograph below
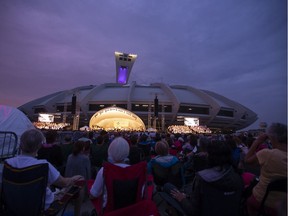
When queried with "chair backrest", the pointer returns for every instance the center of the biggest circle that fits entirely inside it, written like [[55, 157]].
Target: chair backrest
[[124, 185], [219, 202], [279, 185], [172, 174], [24, 189], [8, 144]]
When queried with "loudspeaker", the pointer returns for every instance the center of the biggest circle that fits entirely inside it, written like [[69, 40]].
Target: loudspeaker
[[73, 107], [156, 107]]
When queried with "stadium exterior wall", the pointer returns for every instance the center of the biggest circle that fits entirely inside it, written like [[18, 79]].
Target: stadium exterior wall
[[175, 103]]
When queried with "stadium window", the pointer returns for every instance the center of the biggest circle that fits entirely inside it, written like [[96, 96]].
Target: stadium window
[[167, 108], [124, 106], [92, 107], [194, 110], [40, 110], [60, 108], [140, 107], [226, 113]]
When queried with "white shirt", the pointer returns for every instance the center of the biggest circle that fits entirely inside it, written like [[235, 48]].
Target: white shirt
[[22, 161]]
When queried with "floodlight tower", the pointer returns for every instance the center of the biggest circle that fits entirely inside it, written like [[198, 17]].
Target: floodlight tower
[[124, 64]]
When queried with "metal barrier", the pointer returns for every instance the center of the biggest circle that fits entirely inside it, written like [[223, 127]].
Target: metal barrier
[[8, 144]]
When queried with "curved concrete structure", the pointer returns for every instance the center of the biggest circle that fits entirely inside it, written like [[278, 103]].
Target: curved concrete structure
[[175, 103]]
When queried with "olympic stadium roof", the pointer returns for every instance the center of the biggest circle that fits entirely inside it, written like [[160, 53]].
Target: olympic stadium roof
[[176, 102]]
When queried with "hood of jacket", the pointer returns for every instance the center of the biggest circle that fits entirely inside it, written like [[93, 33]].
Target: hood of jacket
[[224, 178]]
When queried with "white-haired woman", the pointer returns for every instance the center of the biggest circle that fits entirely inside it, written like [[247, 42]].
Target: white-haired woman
[[118, 152]]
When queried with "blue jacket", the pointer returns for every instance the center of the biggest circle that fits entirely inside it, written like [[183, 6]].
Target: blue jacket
[[165, 161]]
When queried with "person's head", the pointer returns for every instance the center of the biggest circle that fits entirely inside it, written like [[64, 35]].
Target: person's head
[[118, 150], [231, 142], [51, 136], [237, 139], [193, 140], [219, 154], [277, 133], [162, 148], [100, 139], [68, 138], [180, 139], [91, 135], [134, 139], [86, 147], [31, 141], [157, 137], [203, 143], [143, 138], [81, 147]]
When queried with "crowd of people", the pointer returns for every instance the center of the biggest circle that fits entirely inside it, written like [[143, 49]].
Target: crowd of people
[[215, 162], [184, 129], [50, 125]]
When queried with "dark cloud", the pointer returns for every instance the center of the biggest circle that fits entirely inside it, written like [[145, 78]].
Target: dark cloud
[[234, 48]]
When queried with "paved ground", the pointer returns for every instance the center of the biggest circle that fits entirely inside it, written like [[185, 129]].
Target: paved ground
[[87, 207]]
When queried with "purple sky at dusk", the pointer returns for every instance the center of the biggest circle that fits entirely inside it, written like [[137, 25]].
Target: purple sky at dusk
[[235, 48]]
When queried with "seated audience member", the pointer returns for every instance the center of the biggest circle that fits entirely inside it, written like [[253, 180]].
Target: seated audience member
[[50, 150], [220, 175], [178, 144], [30, 143], [163, 157], [236, 152], [273, 163], [118, 152], [190, 145], [197, 161]]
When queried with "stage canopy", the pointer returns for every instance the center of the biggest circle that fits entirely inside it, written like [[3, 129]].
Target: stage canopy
[[115, 118]]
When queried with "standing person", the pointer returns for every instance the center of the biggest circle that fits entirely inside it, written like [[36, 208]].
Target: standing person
[[30, 143], [99, 154], [136, 154], [78, 163], [66, 149], [273, 165]]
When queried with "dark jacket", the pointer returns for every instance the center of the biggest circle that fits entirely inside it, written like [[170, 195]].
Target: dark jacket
[[215, 191]]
